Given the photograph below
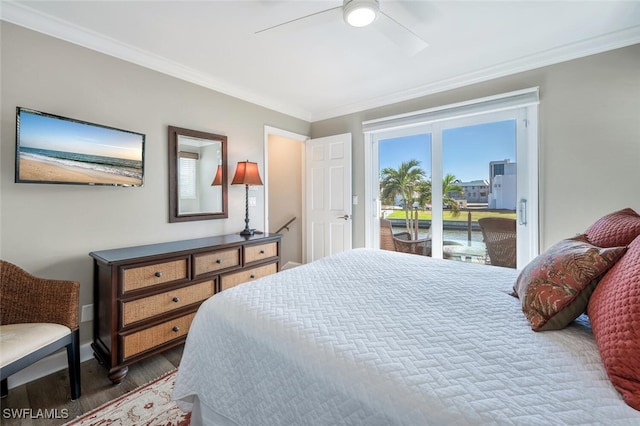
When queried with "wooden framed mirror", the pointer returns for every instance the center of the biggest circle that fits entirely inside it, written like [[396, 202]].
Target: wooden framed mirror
[[197, 175]]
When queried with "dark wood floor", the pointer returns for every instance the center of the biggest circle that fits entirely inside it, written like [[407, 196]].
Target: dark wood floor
[[52, 392]]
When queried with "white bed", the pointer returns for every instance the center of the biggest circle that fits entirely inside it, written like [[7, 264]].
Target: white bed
[[383, 338]]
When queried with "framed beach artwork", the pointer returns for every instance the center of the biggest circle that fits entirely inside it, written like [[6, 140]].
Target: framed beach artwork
[[55, 149]]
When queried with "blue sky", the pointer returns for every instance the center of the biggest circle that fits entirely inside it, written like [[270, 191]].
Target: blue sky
[[41, 131], [467, 151]]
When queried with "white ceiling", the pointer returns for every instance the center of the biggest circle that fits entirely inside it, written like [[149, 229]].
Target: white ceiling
[[320, 67]]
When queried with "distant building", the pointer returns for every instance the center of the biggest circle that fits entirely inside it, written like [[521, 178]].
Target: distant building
[[502, 181], [498, 192], [476, 191]]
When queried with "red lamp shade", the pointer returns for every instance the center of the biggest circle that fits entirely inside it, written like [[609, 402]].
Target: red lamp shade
[[247, 174], [217, 181]]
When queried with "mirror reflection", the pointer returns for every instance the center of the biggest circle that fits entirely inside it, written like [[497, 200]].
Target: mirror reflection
[[198, 189]]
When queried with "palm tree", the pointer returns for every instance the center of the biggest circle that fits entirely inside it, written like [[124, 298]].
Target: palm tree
[[402, 181], [450, 184], [424, 192]]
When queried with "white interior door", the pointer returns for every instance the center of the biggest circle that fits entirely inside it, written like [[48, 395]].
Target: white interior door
[[328, 196]]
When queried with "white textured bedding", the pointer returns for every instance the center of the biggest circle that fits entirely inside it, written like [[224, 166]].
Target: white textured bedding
[[383, 338]]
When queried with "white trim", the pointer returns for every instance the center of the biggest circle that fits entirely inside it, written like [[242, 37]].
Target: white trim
[[489, 104], [285, 133], [23, 15], [371, 223], [534, 183], [437, 207], [48, 365], [592, 46], [434, 121], [268, 131]]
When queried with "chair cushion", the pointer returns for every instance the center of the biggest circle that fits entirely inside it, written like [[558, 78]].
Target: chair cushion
[[19, 340], [555, 287]]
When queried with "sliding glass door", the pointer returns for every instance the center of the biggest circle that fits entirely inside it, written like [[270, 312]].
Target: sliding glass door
[[479, 191], [405, 169], [462, 188]]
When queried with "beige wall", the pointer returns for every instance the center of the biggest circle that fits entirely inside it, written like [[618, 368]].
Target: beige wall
[[589, 146], [285, 193], [589, 137], [50, 229]]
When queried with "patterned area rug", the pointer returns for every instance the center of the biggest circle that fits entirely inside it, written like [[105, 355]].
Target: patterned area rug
[[148, 405]]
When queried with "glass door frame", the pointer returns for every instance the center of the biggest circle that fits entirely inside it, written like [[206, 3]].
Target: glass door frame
[[527, 175]]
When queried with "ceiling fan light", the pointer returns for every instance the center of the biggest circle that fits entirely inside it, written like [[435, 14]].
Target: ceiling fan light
[[360, 13]]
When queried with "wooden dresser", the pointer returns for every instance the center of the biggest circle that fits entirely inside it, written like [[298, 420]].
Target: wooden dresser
[[145, 297]]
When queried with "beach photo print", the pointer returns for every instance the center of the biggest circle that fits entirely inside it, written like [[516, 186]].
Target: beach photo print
[[54, 149]]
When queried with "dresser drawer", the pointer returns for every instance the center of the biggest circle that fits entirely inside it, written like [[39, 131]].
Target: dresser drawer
[[135, 343], [258, 252], [216, 261], [231, 280], [168, 301], [150, 275], [146, 296]]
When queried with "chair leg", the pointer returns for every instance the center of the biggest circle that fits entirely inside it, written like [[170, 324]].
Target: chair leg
[[4, 388], [73, 358]]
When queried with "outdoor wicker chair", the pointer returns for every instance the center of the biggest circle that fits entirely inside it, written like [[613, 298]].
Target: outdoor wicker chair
[[37, 317], [402, 241], [387, 235], [500, 238], [420, 246]]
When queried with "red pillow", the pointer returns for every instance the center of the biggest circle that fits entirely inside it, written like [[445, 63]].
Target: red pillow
[[614, 311], [555, 287], [615, 229]]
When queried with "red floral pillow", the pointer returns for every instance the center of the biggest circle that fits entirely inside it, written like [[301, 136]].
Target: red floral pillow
[[614, 312], [555, 287], [615, 229]]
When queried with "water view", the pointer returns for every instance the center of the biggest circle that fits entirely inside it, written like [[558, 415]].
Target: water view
[[478, 178]]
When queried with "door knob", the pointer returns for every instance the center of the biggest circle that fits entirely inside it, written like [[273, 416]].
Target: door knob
[[345, 217]]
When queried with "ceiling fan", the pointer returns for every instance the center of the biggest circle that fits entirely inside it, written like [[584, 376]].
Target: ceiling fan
[[362, 13]]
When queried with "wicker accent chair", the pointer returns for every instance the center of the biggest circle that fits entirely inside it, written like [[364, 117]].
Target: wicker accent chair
[[37, 317], [387, 235], [500, 238], [402, 241]]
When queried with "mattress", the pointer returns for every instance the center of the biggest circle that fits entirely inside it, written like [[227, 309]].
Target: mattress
[[376, 337]]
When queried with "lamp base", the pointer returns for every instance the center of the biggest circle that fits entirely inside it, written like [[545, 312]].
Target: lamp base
[[247, 232]]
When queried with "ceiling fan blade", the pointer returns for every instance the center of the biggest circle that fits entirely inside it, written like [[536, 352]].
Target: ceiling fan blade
[[402, 36], [298, 19]]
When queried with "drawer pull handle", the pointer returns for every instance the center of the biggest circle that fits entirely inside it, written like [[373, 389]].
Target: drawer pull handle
[[175, 328], [158, 274], [252, 276], [261, 251], [218, 261], [176, 299]]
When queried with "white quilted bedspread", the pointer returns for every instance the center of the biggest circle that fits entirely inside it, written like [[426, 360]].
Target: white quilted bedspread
[[383, 338]]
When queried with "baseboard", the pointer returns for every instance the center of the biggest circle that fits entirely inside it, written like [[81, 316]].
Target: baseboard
[[290, 265], [48, 365]]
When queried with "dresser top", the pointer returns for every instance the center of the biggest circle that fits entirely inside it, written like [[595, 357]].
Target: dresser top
[[175, 247]]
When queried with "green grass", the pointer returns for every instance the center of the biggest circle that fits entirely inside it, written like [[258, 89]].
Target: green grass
[[462, 216]]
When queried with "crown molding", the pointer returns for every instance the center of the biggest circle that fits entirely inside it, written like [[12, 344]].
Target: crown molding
[[595, 45], [24, 16]]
